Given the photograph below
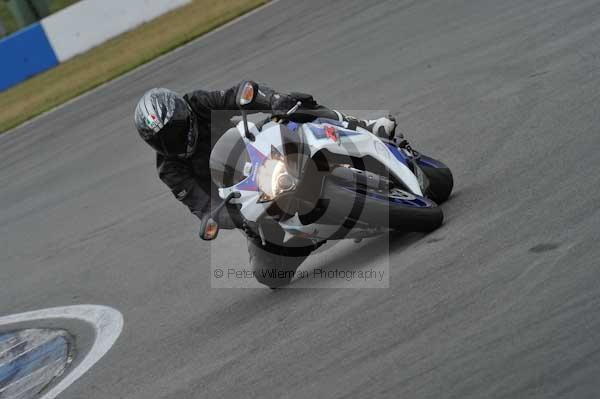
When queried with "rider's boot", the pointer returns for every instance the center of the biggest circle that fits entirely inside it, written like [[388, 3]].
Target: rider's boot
[[384, 127]]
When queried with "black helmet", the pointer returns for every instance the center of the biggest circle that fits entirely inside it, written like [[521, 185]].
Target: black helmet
[[166, 122]]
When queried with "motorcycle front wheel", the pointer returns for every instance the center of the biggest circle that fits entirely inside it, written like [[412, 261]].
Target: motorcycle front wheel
[[393, 208]]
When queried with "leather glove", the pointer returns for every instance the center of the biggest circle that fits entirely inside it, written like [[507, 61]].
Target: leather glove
[[307, 100], [225, 221], [267, 98], [282, 103]]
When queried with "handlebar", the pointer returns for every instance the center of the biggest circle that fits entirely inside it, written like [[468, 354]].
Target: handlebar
[[287, 114], [294, 108]]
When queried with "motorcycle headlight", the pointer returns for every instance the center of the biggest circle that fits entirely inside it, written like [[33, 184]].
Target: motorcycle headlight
[[273, 179]]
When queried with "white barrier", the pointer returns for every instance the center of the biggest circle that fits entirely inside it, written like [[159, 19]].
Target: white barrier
[[89, 23]]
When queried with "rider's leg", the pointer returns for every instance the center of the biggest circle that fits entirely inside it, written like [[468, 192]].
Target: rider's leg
[[383, 127], [275, 263]]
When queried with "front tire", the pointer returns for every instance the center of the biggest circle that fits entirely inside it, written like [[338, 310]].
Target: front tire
[[395, 209], [275, 263], [440, 178]]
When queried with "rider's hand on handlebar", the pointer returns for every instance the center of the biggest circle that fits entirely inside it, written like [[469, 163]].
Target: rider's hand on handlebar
[[282, 103], [225, 221]]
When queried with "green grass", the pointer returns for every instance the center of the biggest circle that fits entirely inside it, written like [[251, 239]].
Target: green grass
[[9, 23], [6, 19], [115, 57], [56, 5]]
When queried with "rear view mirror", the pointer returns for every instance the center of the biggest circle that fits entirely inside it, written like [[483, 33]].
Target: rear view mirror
[[246, 93], [210, 230]]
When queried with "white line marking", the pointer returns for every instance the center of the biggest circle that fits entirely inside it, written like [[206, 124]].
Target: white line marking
[[141, 67], [10, 348], [107, 323]]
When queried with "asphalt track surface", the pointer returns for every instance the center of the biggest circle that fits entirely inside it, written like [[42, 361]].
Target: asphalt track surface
[[502, 301]]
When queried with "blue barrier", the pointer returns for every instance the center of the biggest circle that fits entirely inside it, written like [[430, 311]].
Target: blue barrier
[[24, 54], [71, 31], [31, 359]]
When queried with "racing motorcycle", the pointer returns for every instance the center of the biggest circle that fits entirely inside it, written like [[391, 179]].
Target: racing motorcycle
[[321, 181]]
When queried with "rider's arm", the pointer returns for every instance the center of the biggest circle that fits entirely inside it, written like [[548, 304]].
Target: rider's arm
[[177, 176], [203, 102]]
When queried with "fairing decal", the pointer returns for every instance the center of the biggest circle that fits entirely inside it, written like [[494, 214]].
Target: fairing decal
[[320, 132], [256, 158], [397, 154]]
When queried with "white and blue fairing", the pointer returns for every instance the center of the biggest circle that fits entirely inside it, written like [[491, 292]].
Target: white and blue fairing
[[321, 134]]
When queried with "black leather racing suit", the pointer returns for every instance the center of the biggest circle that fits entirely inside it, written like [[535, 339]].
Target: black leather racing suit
[[190, 181]]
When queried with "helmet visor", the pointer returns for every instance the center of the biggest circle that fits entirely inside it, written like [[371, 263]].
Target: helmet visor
[[172, 140]]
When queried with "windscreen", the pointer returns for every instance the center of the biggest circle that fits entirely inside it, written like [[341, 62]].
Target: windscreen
[[228, 158]]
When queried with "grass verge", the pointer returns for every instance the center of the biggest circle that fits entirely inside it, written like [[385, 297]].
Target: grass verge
[[8, 20], [115, 57]]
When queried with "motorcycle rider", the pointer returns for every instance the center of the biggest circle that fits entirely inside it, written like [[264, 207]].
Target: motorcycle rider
[[179, 129]]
